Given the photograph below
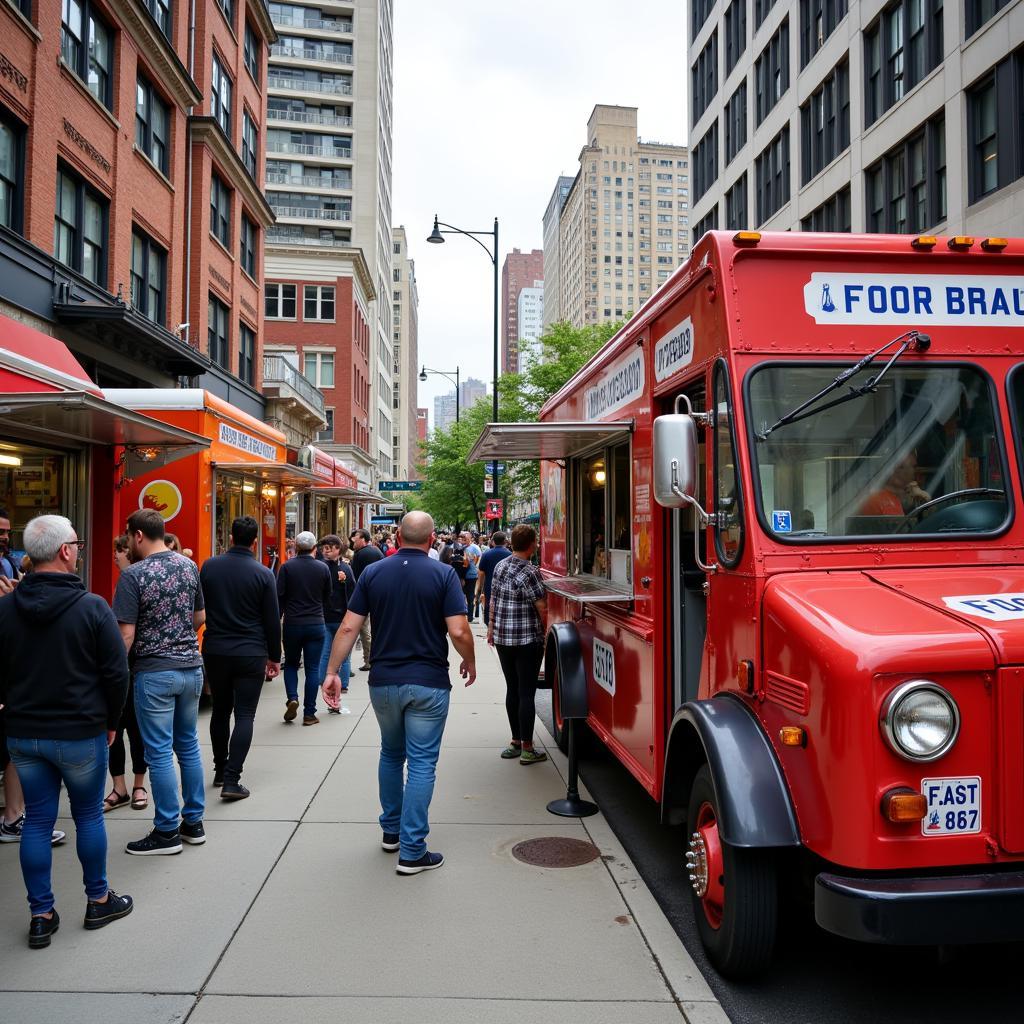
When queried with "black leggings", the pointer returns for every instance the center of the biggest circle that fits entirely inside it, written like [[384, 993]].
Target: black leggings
[[128, 724], [521, 666], [235, 684]]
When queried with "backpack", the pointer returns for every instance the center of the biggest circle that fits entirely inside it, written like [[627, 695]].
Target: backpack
[[458, 562]]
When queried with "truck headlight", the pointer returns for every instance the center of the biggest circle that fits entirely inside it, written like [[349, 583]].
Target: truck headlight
[[920, 720]]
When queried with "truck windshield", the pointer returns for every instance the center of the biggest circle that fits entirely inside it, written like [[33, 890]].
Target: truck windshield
[[921, 454]]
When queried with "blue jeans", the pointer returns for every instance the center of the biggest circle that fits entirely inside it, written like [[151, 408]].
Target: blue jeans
[[307, 643], [42, 766], [411, 720], [345, 671], [167, 707]]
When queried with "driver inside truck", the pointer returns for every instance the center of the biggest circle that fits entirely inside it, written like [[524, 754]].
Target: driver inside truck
[[900, 494]]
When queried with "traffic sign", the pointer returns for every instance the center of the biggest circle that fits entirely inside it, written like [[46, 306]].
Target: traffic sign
[[494, 468], [490, 484], [495, 508], [400, 485]]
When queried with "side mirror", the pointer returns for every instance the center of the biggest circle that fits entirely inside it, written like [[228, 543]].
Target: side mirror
[[675, 460]]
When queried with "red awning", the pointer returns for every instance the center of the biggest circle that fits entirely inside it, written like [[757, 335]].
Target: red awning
[[34, 362]]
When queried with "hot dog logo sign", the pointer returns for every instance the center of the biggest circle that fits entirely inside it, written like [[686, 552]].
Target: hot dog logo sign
[[162, 496]]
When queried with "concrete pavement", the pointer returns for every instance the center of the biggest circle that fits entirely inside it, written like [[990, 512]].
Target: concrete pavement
[[291, 911]]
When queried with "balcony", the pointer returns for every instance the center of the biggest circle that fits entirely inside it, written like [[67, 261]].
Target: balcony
[[313, 24], [309, 117], [309, 181], [292, 399], [325, 54], [278, 238], [311, 213], [305, 149], [342, 88]]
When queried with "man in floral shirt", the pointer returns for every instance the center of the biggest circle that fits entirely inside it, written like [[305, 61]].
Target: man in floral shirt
[[159, 606]]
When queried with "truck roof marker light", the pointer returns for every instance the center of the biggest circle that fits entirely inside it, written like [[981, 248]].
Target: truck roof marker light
[[994, 244], [925, 243], [903, 805], [960, 243], [792, 736], [746, 238]]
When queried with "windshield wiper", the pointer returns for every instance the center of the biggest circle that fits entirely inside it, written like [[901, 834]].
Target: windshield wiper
[[909, 339]]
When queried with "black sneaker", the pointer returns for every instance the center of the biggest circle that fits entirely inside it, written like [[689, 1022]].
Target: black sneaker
[[390, 842], [156, 844], [334, 711], [291, 709], [192, 832], [233, 791], [40, 930], [218, 779], [99, 915], [11, 833], [427, 862]]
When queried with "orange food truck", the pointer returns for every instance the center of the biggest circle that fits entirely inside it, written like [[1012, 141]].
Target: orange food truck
[[782, 532]]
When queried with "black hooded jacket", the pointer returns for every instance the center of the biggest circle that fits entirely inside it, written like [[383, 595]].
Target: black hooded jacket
[[63, 666]]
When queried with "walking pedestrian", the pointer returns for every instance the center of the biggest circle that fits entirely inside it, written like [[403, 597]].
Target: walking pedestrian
[[365, 553], [159, 606], [472, 562], [63, 680], [241, 648], [414, 601], [303, 588], [516, 629], [343, 583], [497, 552]]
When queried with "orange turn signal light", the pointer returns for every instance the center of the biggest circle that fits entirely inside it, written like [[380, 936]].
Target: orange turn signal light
[[925, 242], [903, 805], [960, 243], [746, 238], [994, 244], [792, 736], [745, 676]]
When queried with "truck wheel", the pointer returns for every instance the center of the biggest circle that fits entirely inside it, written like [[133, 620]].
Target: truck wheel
[[559, 731], [735, 891]]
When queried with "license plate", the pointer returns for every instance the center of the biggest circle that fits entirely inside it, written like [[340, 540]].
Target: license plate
[[954, 806]]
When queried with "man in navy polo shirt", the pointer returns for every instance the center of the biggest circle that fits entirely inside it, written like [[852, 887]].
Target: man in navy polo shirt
[[414, 601]]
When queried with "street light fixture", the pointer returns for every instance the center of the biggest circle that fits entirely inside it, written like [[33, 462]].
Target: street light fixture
[[441, 373]]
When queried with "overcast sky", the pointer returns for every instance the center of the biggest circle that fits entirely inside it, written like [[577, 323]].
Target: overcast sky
[[491, 105]]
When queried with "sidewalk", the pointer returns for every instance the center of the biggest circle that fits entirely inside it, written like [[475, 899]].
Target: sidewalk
[[292, 913]]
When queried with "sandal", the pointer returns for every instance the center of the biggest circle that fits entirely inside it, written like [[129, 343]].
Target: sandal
[[140, 804], [115, 800]]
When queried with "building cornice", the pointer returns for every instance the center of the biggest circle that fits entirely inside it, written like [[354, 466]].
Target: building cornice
[[353, 256], [261, 15], [157, 49], [206, 131]]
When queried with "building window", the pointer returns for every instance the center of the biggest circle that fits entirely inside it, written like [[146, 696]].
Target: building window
[[246, 353], [771, 171], [152, 124], [825, 122], [901, 46], [995, 113], [736, 205], [87, 46], [818, 20], [149, 277], [700, 11], [220, 96], [250, 143], [906, 189], [228, 9], [319, 368], [217, 333], [12, 172], [252, 52], [709, 222], [318, 302], [705, 162], [279, 301], [249, 246], [761, 9], [396, 275], [220, 210], [736, 122], [161, 12], [80, 227], [327, 434], [832, 215], [771, 72], [735, 33], [704, 78], [978, 12]]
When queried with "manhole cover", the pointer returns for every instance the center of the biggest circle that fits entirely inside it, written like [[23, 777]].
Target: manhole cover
[[555, 852]]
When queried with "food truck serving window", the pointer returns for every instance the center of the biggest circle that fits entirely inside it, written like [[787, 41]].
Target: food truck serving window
[[602, 542], [919, 456]]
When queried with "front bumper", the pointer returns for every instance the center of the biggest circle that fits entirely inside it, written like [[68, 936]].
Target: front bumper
[[954, 910]]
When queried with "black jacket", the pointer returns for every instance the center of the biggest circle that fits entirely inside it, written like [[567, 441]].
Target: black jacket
[[366, 555], [242, 618], [341, 590], [303, 588], [63, 666]]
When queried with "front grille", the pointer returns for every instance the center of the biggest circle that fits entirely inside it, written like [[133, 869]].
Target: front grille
[[1010, 759]]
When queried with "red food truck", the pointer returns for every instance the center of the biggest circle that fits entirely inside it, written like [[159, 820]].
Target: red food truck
[[782, 531]]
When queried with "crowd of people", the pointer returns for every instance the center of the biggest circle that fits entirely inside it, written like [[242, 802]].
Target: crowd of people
[[77, 674]]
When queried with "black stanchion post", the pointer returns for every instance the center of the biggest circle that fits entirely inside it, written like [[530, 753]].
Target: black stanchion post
[[572, 806]]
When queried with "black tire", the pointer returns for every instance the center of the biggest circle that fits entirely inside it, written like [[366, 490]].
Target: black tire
[[558, 728], [741, 944]]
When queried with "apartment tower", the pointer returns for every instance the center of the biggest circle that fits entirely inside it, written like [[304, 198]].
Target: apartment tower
[[838, 115], [531, 322], [519, 270], [404, 335], [552, 253]]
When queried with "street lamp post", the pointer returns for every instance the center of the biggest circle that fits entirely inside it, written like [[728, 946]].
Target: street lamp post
[[441, 373]]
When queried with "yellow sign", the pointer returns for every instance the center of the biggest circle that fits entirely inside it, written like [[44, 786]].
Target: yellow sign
[[163, 496]]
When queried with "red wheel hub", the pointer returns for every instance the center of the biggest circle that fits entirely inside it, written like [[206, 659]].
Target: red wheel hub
[[705, 865]]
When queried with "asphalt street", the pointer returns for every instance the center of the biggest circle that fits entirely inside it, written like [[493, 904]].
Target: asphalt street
[[815, 977]]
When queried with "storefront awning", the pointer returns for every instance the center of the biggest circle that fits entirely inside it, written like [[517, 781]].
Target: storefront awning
[[80, 418], [554, 440], [353, 494], [283, 474]]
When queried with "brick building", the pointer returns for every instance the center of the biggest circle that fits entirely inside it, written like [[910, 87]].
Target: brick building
[[109, 143], [519, 271]]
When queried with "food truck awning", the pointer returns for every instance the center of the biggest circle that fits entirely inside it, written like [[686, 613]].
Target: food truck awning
[[78, 417], [553, 440], [283, 474]]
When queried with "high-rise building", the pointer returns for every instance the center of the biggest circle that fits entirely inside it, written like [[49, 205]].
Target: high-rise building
[[404, 343], [519, 270], [531, 321], [552, 253], [444, 411], [328, 260], [623, 225], [470, 392], [838, 115]]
